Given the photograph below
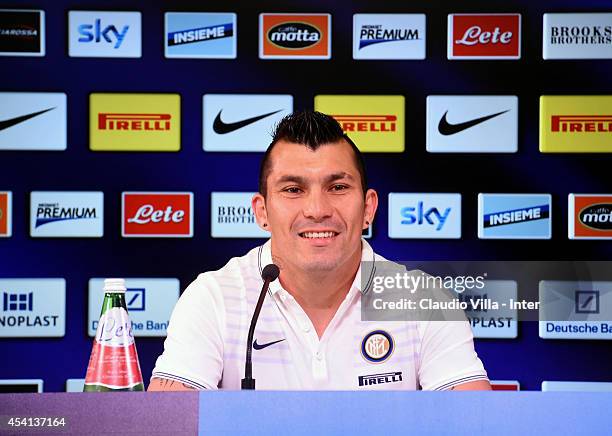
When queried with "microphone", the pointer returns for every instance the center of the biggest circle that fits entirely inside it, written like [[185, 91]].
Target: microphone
[[269, 274]]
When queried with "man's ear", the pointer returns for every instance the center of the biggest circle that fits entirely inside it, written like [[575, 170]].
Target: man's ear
[[371, 204], [258, 204]]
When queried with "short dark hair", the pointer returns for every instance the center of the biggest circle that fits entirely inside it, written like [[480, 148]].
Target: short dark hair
[[311, 129]]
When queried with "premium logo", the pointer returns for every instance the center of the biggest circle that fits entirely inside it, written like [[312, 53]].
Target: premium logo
[[157, 214], [484, 36], [377, 346], [575, 309], [242, 122], [22, 32], [377, 379], [295, 36], [576, 124], [424, 215], [33, 121], [6, 202], [472, 124], [514, 216], [104, 34], [590, 216], [207, 35], [577, 36], [374, 122], [32, 307], [134, 122], [233, 217], [149, 301], [389, 36], [66, 214]]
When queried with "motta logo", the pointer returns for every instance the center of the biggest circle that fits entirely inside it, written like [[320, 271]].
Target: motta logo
[[590, 216], [294, 36], [157, 214], [484, 36]]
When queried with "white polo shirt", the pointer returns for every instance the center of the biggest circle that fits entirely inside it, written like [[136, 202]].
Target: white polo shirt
[[206, 343]]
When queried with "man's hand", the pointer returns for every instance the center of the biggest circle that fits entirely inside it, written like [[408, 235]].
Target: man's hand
[[164, 384]]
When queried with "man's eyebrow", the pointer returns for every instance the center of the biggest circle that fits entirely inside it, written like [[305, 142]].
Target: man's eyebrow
[[302, 181], [290, 178], [338, 176]]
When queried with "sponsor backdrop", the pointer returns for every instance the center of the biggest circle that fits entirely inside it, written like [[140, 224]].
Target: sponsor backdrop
[[131, 135]]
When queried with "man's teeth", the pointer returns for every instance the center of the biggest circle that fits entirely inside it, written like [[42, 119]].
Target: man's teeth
[[318, 234]]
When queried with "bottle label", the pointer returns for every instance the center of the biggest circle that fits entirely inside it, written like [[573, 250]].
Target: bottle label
[[114, 361]]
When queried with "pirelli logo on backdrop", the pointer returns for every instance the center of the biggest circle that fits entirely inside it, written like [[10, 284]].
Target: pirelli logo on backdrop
[[5, 214], [134, 122], [576, 124], [294, 36], [374, 122]]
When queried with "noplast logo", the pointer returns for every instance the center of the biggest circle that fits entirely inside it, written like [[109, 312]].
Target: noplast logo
[[484, 36], [294, 36], [576, 124], [374, 122], [590, 216], [157, 214], [134, 122], [104, 34], [417, 215], [5, 214]]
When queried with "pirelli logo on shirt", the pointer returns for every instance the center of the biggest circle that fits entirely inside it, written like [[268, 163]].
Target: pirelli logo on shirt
[[576, 124], [374, 122], [134, 122]]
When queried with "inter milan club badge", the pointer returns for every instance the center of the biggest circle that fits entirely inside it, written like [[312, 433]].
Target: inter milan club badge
[[377, 346]]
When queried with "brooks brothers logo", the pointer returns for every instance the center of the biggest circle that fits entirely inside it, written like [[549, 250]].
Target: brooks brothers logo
[[267, 344], [377, 346], [377, 379], [446, 128], [577, 36], [220, 127]]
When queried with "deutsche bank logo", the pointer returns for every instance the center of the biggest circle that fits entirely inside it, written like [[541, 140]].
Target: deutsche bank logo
[[417, 215], [389, 36], [104, 34], [514, 216], [135, 299], [200, 35], [472, 124], [17, 302]]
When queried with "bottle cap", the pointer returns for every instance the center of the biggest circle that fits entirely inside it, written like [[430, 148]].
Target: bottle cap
[[114, 285]]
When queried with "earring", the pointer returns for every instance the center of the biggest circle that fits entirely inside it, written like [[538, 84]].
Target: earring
[[367, 223], [265, 225]]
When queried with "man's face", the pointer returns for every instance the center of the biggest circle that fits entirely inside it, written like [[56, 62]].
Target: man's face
[[315, 207]]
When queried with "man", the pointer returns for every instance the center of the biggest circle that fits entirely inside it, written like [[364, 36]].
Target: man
[[313, 199]]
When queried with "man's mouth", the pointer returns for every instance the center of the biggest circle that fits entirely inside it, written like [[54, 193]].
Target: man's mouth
[[318, 235]]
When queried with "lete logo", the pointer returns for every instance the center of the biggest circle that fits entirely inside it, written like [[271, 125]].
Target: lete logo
[[95, 32], [157, 214], [484, 36]]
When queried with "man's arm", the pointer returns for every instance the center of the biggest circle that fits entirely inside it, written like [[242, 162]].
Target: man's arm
[[478, 385], [164, 384]]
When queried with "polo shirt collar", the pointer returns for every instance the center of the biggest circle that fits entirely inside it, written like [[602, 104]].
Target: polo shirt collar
[[367, 255]]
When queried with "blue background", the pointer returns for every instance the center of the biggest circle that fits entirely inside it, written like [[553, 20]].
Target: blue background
[[527, 359]]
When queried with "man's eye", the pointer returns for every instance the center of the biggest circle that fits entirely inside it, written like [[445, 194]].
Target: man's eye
[[339, 187], [292, 190]]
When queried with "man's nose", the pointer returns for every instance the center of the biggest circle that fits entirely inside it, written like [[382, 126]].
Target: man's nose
[[317, 206]]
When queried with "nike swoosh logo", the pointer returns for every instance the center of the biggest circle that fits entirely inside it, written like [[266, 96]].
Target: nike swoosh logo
[[5, 124], [222, 128], [445, 128], [262, 346]]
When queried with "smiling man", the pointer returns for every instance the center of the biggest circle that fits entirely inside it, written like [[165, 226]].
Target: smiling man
[[313, 199]]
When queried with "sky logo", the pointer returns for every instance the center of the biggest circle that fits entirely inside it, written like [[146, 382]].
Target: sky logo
[[424, 215], [514, 216], [200, 35], [389, 36], [18, 302], [104, 34]]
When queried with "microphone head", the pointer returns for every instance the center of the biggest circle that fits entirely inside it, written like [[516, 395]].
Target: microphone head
[[270, 272]]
